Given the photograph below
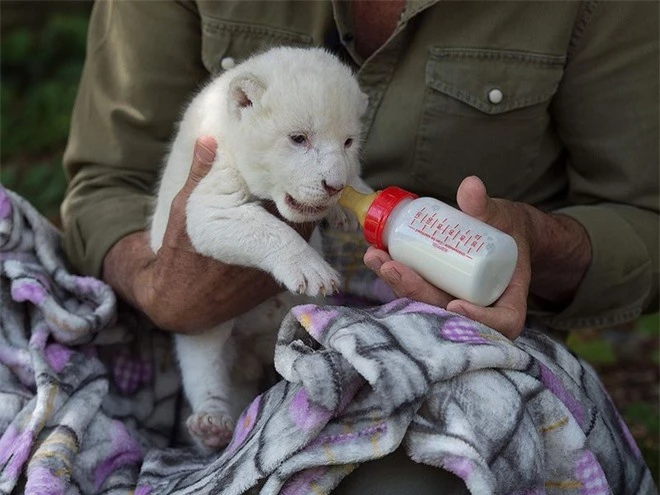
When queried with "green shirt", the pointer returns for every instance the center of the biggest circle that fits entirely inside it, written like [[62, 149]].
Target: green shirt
[[550, 103]]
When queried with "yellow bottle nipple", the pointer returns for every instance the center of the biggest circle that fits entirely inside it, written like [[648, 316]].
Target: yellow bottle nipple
[[357, 202]]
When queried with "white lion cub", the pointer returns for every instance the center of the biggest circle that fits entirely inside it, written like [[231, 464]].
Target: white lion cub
[[288, 125]]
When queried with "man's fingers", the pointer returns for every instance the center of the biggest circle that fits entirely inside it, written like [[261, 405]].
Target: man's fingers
[[374, 258], [404, 281], [202, 159], [508, 314], [203, 156]]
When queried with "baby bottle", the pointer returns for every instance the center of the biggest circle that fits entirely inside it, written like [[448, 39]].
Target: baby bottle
[[457, 253]]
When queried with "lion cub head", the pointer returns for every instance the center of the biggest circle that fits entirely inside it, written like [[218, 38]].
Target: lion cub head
[[295, 123]]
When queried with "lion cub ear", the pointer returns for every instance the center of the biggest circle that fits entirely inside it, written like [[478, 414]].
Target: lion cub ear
[[245, 91]]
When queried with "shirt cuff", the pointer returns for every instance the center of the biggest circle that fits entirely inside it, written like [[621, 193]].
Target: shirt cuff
[[97, 224], [616, 283]]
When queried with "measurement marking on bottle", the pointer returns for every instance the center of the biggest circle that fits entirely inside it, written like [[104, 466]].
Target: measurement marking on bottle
[[445, 247], [474, 245], [419, 214], [466, 244], [442, 245]]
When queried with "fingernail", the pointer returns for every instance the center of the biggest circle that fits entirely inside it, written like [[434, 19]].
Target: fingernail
[[204, 153], [453, 305], [458, 310], [373, 264]]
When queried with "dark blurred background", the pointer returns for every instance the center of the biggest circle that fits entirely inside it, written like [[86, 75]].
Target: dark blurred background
[[41, 56], [42, 53]]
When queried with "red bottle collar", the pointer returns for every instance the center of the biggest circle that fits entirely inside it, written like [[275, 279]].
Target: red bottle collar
[[379, 211]]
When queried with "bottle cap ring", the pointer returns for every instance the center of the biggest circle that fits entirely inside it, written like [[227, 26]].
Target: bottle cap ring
[[379, 211]]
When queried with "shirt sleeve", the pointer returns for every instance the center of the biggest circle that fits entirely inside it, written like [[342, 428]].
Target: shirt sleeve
[[143, 63], [606, 111]]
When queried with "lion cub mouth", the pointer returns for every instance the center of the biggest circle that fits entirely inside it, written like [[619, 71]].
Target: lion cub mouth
[[304, 207]]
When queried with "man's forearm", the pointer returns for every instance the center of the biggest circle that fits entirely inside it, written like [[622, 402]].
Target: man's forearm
[[560, 255], [181, 290]]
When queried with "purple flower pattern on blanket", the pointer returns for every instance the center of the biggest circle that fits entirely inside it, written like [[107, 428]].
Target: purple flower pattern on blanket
[[89, 284], [28, 290], [305, 414], [461, 331], [130, 372], [42, 481], [554, 384], [460, 466], [244, 425], [590, 475], [143, 490], [8, 441], [314, 319], [14, 450], [304, 482], [58, 356], [124, 451], [5, 205]]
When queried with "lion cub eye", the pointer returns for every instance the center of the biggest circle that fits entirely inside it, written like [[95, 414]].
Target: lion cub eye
[[298, 138], [348, 143]]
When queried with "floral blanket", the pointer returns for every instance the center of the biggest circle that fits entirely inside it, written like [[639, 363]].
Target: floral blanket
[[90, 399]]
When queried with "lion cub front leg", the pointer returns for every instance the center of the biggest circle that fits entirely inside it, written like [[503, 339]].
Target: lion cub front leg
[[244, 233]]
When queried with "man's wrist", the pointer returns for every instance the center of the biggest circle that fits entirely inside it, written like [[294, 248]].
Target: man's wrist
[[560, 254], [126, 265]]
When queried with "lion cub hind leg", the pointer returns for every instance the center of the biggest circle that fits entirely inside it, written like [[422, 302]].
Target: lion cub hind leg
[[206, 361]]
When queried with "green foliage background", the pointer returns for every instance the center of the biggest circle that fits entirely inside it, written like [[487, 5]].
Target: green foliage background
[[40, 70]]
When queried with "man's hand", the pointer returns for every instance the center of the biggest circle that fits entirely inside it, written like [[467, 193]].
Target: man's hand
[[179, 289], [554, 249]]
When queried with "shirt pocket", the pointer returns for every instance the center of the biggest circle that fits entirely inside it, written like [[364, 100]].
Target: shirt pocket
[[225, 42], [484, 113]]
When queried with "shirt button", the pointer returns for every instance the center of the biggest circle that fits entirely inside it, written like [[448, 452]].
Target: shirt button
[[495, 96], [227, 63]]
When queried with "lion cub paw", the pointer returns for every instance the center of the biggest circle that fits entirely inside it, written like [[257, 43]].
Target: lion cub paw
[[210, 430], [307, 274]]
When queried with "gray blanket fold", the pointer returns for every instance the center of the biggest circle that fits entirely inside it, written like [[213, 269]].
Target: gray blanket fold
[[89, 398]]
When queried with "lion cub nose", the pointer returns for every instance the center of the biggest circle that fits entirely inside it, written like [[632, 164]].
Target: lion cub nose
[[332, 189]]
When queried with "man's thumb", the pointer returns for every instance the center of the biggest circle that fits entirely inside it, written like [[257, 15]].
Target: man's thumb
[[203, 156], [473, 199]]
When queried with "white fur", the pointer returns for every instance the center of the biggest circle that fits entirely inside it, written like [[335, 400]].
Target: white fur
[[253, 111]]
